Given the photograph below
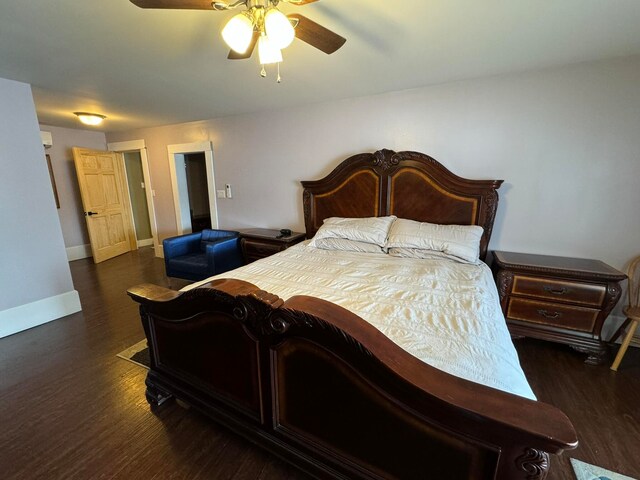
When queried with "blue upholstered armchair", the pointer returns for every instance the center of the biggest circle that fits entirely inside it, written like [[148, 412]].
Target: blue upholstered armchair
[[196, 256]]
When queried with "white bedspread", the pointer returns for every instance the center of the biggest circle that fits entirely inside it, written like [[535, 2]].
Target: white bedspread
[[445, 313]]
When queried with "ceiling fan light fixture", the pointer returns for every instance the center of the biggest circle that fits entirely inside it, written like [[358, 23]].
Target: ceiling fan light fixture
[[268, 52], [238, 32], [278, 28], [90, 118]]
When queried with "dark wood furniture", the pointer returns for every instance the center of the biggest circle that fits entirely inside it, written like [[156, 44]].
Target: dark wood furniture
[[259, 243], [320, 387], [561, 299]]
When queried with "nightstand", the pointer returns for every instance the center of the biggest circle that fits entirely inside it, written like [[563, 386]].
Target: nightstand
[[560, 299], [261, 242]]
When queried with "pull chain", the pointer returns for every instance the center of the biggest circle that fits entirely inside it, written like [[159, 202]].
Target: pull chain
[[263, 72]]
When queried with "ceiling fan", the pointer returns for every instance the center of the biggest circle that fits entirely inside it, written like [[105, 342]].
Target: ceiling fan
[[260, 23]]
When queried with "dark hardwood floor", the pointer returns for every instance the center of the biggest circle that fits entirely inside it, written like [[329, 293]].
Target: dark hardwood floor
[[71, 409]]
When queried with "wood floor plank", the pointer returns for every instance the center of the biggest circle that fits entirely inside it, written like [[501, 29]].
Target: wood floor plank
[[604, 406], [70, 409]]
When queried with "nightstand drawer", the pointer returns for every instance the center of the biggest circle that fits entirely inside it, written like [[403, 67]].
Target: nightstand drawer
[[552, 314], [261, 249], [559, 290]]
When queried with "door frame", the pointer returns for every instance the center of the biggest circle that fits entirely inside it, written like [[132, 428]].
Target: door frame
[[139, 146], [176, 154]]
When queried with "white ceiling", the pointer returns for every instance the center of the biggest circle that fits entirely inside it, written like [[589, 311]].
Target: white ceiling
[[156, 67]]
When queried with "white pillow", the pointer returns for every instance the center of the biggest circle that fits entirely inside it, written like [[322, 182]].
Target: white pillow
[[368, 230], [461, 242], [347, 245]]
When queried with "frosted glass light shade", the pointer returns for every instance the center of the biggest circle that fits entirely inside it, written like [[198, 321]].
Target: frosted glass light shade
[[237, 33], [267, 51], [278, 28], [90, 118]]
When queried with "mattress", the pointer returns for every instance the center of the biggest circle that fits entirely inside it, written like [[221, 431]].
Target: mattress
[[445, 313]]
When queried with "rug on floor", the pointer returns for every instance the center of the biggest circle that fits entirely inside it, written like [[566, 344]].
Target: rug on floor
[[138, 354], [585, 471]]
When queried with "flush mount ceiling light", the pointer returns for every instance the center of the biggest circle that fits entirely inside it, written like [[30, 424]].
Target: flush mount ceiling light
[[90, 118], [262, 24]]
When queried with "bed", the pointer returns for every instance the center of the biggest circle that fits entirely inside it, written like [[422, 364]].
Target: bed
[[280, 351]]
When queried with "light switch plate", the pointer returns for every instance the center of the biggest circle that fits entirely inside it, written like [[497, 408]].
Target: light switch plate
[[221, 194]]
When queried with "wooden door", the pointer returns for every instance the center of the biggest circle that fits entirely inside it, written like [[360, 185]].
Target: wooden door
[[106, 205]]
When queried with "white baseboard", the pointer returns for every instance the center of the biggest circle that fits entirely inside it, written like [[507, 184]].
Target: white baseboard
[[145, 243], [17, 319], [159, 251], [78, 252]]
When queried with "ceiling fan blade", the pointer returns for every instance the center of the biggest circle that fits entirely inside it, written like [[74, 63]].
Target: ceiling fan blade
[[301, 2], [233, 55], [176, 4], [316, 35]]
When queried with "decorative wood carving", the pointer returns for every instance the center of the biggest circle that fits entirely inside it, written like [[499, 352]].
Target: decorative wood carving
[[301, 319], [596, 354], [534, 463], [613, 295], [306, 206], [385, 159], [505, 282], [156, 396], [255, 311]]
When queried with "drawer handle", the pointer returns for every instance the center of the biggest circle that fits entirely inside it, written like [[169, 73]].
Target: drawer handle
[[556, 291], [546, 314]]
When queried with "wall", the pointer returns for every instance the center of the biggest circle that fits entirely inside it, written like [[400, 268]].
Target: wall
[[566, 140], [35, 279], [71, 213]]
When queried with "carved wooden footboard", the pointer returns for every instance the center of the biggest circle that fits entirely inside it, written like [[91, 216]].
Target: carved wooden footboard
[[321, 388]]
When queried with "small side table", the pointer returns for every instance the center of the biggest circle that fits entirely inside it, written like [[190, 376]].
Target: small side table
[[262, 242], [560, 299]]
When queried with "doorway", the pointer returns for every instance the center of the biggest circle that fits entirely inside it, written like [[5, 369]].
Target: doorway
[[139, 207], [139, 189], [193, 183], [198, 192]]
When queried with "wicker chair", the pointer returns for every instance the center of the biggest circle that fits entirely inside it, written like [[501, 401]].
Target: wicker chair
[[632, 311]]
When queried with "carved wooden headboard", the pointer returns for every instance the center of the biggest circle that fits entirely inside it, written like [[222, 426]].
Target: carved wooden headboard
[[406, 184]]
